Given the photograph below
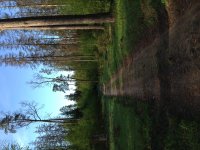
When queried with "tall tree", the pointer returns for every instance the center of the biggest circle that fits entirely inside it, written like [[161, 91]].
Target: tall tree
[[71, 111], [51, 21], [75, 96], [22, 59], [10, 122], [13, 146], [51, 136], [60, 83]]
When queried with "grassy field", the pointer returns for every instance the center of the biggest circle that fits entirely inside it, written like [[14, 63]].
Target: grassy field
[[133, 125], [127, 123], [132, 20], [84, 6]]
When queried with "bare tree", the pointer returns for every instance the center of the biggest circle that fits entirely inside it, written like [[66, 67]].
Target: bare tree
[[32, 59], [51, 136], [60, 83], [10, 122]]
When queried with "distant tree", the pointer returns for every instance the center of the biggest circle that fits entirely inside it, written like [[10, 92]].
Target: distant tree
[[51, 136], [71, 111], [13, 146], [32, 59], [10, 122], [43, 42], [60, 83], [62, 87], [51, 128], [74, 97]]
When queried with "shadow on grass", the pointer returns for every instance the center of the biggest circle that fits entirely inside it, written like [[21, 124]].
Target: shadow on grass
[[132, 124]]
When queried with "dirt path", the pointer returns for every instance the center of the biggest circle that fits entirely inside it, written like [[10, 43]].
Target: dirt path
[[169, 67]]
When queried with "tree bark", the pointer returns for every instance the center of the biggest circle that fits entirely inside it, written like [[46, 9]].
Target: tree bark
[[60, 20], [56, 120], [48, 58], [59, 27], [70, 79], [39, 44], [34, 6]]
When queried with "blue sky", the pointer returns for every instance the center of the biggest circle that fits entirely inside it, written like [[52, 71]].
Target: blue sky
[[14, 89]]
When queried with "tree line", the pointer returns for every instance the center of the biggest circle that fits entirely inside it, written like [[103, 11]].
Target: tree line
[[49, 51]]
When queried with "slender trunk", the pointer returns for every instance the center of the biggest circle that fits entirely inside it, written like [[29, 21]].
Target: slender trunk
[[75, 58], [52, 60], [59, 27], [70, 79], [61, 20], [39, 44], [34, 6], [51, 57], [56, 120], [84, 80], [59, 38], [44, 82], [99, 138]]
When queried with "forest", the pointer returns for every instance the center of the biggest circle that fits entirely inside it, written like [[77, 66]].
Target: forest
[[102, 74]]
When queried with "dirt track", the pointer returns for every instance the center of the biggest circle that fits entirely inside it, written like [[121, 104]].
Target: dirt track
[[168, 68]]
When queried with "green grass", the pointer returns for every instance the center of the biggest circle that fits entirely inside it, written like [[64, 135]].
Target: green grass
[[182, 133], [126, 128], [132, 20], [80, 7], [131, 125], [127, 125]]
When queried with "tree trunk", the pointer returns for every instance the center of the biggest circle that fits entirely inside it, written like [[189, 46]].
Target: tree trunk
[[59, 27], [50, 58], [60, 20], [39, 44], [99, 138], [70, 79], [56, 120], [34, 6]]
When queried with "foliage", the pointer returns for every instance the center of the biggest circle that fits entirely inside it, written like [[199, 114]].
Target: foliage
[[75, 96], [182, 133], [47, 55], [60, 83], [85, 6], [132, 124], [71, 111], [80, 134], [51, 136], [88, 103], [13, 146]]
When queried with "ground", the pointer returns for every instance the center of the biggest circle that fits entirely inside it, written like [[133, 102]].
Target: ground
[[151, 81], [167, 67]]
